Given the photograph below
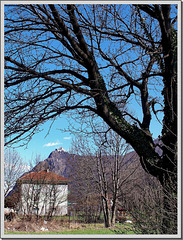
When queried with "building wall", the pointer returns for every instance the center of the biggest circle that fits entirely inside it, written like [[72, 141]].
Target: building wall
[[44, 199]]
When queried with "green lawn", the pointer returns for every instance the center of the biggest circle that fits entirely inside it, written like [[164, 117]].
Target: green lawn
[[79, 231]]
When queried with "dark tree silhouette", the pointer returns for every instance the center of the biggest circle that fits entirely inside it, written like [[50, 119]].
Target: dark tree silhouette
[[96, 58]]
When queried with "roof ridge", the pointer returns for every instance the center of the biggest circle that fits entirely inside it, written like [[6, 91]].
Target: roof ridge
[[44, 175]]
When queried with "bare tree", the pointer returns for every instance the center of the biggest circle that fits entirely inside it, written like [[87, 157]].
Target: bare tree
[[96, 58], [13, 169], [146, 206], [103, 168], [83, 186], [57, 200], [116, 167]]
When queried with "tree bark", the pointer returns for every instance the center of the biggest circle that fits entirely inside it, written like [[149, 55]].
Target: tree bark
[[168, 173]]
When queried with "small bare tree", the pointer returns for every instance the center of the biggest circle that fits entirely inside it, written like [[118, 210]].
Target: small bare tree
[[114, 167], [102, 170], [147, 208], [83, 186], [13, 168]]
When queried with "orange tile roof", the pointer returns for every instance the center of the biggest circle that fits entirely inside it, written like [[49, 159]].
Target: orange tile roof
[[43, 176]]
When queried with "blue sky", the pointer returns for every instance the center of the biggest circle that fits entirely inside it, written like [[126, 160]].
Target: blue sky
[[43, 144]]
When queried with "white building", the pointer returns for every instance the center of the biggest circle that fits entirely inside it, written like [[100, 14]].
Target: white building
[[43, 193]]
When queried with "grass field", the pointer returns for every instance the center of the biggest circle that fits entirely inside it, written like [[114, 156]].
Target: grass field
[[79, 231], [123, 229], [62, 226]]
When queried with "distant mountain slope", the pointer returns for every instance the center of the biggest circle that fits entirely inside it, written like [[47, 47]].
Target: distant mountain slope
[[56, 162], [62, 163]]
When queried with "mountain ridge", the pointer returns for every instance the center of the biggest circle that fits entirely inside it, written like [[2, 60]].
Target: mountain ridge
[[61, 162]]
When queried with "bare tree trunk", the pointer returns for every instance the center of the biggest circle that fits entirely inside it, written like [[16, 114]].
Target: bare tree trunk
[[103, 190], [113, 213], [106, 212]]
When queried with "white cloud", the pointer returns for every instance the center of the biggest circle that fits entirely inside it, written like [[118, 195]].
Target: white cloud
[[67, 138], [50, 144]]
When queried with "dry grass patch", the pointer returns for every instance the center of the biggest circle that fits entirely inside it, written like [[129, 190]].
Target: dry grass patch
[[40, 225]]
